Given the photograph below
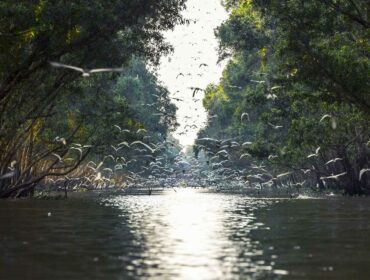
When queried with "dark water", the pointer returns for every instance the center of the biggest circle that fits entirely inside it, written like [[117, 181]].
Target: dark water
[[185, 235]]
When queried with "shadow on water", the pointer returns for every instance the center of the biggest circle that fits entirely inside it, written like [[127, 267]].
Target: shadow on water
[[77, 240], [184, 235], [319, 239]]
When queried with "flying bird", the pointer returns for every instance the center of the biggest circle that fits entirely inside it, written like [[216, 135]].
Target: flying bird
[[274, 126], [275, 87], [243, 115], [231, 86], [143, 144], [195, 90], [85, 72], [362, 172], [325, 117], [244, 155], [141, 130], [333, 120], [283, 174], [316, 154], [257, 82], [333, 160], [335, 177]]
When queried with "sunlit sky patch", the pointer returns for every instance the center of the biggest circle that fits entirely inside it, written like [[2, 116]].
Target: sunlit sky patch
[[194, 45]]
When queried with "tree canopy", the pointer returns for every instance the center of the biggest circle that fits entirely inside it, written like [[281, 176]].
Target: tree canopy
[[296, 90], [43, 110]]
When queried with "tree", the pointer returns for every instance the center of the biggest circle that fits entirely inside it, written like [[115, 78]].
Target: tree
[[89, 34], [297, 81]]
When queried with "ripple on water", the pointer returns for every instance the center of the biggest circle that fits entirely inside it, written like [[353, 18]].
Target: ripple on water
[[185, 235], [197, 235]]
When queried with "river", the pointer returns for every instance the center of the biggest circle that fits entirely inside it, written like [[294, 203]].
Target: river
[[186, 234]]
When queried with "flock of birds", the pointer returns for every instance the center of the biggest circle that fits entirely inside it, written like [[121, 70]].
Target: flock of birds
[[162, 165], [144, 165]]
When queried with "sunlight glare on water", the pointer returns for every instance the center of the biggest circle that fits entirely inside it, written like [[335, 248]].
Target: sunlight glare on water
[[188, 234], [193, 235]]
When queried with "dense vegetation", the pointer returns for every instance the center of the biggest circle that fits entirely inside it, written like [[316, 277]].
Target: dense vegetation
[[52, 120], [294, 97]]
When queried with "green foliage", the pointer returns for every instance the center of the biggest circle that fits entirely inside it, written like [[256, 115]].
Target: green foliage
[[44, 110], [293, 62]]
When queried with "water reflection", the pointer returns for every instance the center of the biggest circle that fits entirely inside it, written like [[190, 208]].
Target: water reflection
[[192, 235], [185, 235]]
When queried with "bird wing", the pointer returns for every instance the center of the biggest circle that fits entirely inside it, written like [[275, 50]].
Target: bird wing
[[244, 114], [143, 144], [117, 126], [362, 172], [244, 155], [194, 92], [141, 130], [325, 117], [283, 174], [105, 70], [124, 143], [60, 65], [275, 87]]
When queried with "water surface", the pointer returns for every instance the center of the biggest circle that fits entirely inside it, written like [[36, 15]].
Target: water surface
[[185, 235]]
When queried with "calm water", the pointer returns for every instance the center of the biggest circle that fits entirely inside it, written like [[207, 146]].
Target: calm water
[[185, 235]]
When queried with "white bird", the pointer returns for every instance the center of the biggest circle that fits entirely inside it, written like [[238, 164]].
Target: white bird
[[257, 82], [224, 152], [12, 165], [120, 129], [335, 177], [283, 174], [276, 87], [244, 155], [208, 139], [60, 139], [231, 86], [143, 144], [325, 117], [57, 156], [305, 171], [243, 115], [362, 172], [274, 126], [316, 154], [333, 160], [271, 96], [124, 143], [85, 72], [116, 149]]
